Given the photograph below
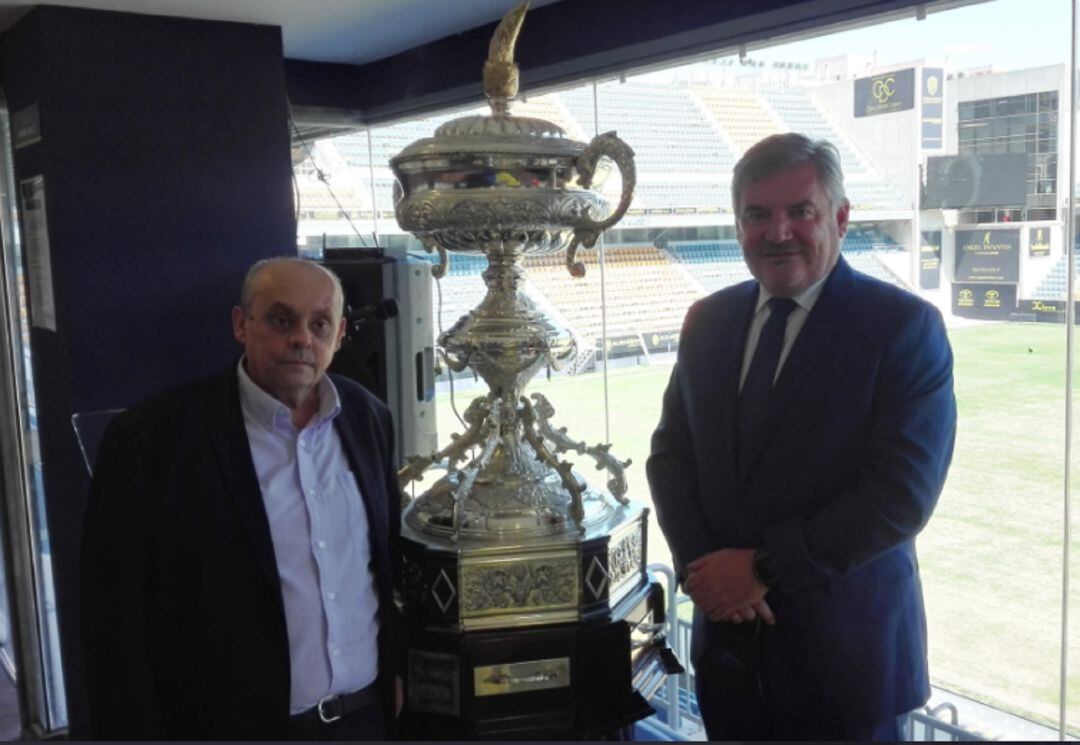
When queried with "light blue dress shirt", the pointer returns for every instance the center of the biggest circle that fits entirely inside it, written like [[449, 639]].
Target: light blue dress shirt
[[319, 528]]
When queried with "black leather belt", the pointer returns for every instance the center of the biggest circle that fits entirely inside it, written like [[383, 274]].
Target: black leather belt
[[333, 708]]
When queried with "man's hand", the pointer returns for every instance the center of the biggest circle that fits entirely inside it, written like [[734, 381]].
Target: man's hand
[[749, 613], [722, 584]]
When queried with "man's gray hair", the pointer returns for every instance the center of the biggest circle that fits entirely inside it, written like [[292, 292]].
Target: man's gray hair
[[247, 291], [782, 151]]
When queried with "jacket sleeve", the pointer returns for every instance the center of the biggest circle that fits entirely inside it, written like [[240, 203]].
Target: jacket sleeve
[[122, 692], [902, 463], [393, 528], [672, 469]]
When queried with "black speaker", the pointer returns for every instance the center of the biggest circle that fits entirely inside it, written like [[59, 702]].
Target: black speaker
[[392, 357], [362, 356]]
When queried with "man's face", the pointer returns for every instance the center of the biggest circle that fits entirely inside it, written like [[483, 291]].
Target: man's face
[[790, 235], [291, 330]]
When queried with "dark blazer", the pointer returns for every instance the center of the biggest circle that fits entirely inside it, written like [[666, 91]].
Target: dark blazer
[[182, 614], [853, 456]]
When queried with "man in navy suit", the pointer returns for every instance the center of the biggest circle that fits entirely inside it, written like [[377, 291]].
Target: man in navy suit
[[237, 579], [805, 437]]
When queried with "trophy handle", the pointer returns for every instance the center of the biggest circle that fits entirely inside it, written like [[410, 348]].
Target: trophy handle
[[588, 230], [610, 145]]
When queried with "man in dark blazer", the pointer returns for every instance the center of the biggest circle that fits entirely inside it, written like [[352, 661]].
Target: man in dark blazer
[[237, 572], [794, 464]]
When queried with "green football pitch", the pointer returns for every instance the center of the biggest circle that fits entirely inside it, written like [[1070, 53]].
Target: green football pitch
[[991, 556]]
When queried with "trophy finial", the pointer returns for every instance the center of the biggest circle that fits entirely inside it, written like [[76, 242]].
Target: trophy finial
[[500, 72]]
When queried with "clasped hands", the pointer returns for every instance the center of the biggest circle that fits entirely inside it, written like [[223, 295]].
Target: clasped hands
[[722, 584]]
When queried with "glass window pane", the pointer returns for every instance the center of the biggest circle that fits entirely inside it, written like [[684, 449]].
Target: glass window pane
[[987, 556]]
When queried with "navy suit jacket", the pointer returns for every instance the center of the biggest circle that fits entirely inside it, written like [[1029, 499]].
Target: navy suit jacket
[[858, 438], [182, 614]]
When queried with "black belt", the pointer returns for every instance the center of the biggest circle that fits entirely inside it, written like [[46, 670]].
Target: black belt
[[333, 708]]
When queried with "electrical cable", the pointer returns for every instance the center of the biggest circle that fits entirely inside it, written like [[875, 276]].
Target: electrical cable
[[320, 174], [449, 370]]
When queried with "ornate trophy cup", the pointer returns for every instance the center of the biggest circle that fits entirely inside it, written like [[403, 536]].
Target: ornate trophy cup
[[529, 609]]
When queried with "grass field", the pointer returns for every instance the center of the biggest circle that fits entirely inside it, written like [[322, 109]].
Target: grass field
[[991, 557]]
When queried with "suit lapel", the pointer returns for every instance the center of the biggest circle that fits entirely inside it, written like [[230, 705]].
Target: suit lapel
[[229, 440], [718, 391], [823, 327], [358, 460]]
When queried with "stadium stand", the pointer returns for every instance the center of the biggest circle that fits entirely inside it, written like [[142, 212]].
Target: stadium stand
[[687, 138], [669, 132], [1054, 285], [646, 293], [717, 264], [712, 264], [667, 195], [799, 114], [740, 112]]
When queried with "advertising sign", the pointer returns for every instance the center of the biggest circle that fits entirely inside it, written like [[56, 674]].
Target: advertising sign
[[996, 302], [987, 256], [930, 260], [886, 93], [932, 92], [1038, 242]]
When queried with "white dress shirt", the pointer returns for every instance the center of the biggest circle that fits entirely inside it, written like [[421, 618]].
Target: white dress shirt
[[319, 528], [804, 303]]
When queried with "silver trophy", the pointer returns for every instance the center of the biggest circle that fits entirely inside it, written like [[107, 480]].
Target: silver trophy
[[512, 538]]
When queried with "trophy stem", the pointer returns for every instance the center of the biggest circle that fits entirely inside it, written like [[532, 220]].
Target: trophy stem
[[505, 339]]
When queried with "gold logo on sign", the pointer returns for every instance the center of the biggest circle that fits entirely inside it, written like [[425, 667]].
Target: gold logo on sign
[[1039, 234], [932, 85], [884, 88], [986, 238], [966, 294]]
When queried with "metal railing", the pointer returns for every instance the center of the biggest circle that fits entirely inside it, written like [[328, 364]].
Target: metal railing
[[925, 725], [678, 717], [681, 720]]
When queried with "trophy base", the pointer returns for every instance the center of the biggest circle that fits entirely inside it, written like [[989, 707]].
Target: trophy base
[[572, 681]]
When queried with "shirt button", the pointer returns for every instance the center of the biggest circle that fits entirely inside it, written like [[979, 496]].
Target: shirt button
[[312, 491], [322, 544], [331, 596], [337, 652]]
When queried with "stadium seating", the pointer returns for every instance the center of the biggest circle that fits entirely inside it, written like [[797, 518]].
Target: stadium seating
[[740, 112], [717, 264], [1055, 284], [666, 126], [687, 138], [799, 114], [645, 292]]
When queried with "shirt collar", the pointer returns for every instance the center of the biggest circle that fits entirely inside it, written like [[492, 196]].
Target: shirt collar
[[270, 413], [805, 299]]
